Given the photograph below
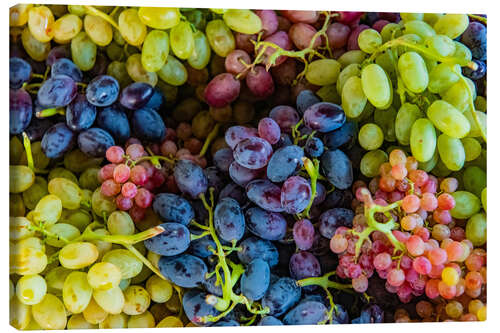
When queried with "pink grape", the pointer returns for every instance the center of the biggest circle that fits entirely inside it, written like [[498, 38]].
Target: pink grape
[[280, 39], [446, 201], [422, 265], [269, 130], [437, 256], [143, 198], [411, 203], [360, 284], [428, 202], [269, 21], [396, 277], [234, 65], [222, 90], [301, 35], [138, 175], [338, 243], [415, 245], [307, 16], [135, 151], [121, 173], [124, 203], [110, 188], [303, 234], [260, 82], [114, 154], [106, 172], [129, 190], [382, 261]]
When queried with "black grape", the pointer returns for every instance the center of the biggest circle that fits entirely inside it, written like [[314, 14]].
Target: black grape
[[136, 95], [156, 101], [201, 247], [58, 52], [80, 114], [103, 90], [254, 248], [281, 296], [269, 321], [324, 117], [37, 128], [195, 307], [174, 240], [223, 159], [267, 225], [58, 140], [306, 313], [229, 221], [341, 137], [265, 194], [66, 67], [210, 284], [305, 99], [231, 190], [215, 178], [184, 270], [148, 125], [190, 178], [314, 147], [19, 72], [115, 121], [255, 280], [304, 265], [20, 110], [95, 141], [333, 218], [173, 208], [477, 74], [57, 91], [337, 168], [474, 37], [284, 163]]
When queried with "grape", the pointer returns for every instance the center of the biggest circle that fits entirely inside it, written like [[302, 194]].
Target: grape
[[103, 90], [80, 114], [345, 135], [76, 292], [304, 265], [406, 116], [474, 179], [115, 122], [173, 208], [475, 229], [337, 168], [379, 94], [31, 289], [369, 40], [148, 125], [285, 116], [159, 17], [284, 163], [195, 307], [353, 97], [324, 117], [131, 27], [229, 221], [136, 95], [103, 276], [269, 321], [222, 90], [413, 71], [19, 72], [255, 248], [95, 142], [137, 300], [323, 72], [57, 91], [255, 280], [83, 51], [223, 159], [451, 152], [260, 82], [220, 37], [265, 194], [156, 101], [306, 313], [252, 153], [370, 136], [185, 270], [236, 134], [422, 140], [129, 265], [241, 175], [266, 225], [281, 296], [173, 72], [200, 56], [174, 240], [37, 128], [474, 37], [295, 194], [301, 35], [20, 110], [234, 65], [242, 20], [201, 247], [305, 99], [78, 255], [447, 119], [452, 25], [58, 140], [190, 178], [50, 313], [334, 218]]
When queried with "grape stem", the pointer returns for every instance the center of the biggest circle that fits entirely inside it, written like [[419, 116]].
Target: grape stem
[[29, 155], [211, 136], [50, 112], [312, 168]]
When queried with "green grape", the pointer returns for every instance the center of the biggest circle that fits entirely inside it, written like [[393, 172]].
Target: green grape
[[16, 150], [16, 205], [159, 17], [102, 204], [484, 197], [430, 164], [475, 131], [413, 72], [412, 16], [323, 72], [419, 28], [104, 276], [173, 72], [441, 45], [69, 193], [472, 149], [376, 86], [118, 70], [31, 289], [77, 218], [352, 57], [458, 95], [430, 64], [143, 320], [353, 98], [182, 40], [409, 38], [462, 51], [48, 210], [144, 274], [137, 72], [114, 51], [19, 314], [36, 191], [329, 94], [200, 56], [63, 231], [19, 228], [39, 159], [83, 51], [76, 10], [50, 313], [37, 50], [89, 179], [131, 27], [78, 322], [443, 77], [475, 230], [127, 262], [370, 137], [474, 180], [62, 173], [386, 120], [369, 40], [390, 31], [387, 62], [242, 20], [55, 279], [452, 25], [371, 162], [76, 292], [154, 50], [78, 255], [102, 247], [422, 140], [98, 30], [349, 71], [170, 321], [160, 290], [20, 178], [480, 103], [114, 321], [432, 18], [137, 300], [451, 152], [76, 161], [120, 223], [407, 115], [110, 300], [220, 37], [197, 18], [40, 23], [93, 313], [448, 120]]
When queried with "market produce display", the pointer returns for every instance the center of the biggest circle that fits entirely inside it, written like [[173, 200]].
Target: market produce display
[[175, 167]]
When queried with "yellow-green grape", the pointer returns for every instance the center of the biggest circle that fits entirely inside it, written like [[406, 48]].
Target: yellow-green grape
[[114, 51], [127, 262], [41, 23], [159, 17], [462, 51], [98, 29], [352, 57], [16, 205], [76, 292], [78, 218], [50, 313], [62, 173], [430, 164], [77, 10], [323, 72], [353, 98], [376, 86], [66, 28], [408, 113], [69, 193], [16, 150], [124, 283], [83, 51], [475, 130], [409, 38], [102, 246], [413, 72], [78, 322], [120, 223], [19, 314], [390, 31], [474, 180], [18, 14], [386, 120], [430, 64], [143, 320], [419, 28], [110, 300], [170, 321], [55, 279], [432, 18], [20, 178], [143, 275], [173, 72], [20, 228], [443, 77], [220, 37], [118, 70], [242, 20], [137, 300], [137, 72], [102, 204], [458, 95], [104, 275], [371, 161], [154, 50], [93, 313], [475, 230], [131, 27], [484, 197], [48, 210], [181, 40], [160, 290], [422, 139], [114, 321], [346, 73], [89, 179], [78, 255], [200, 56], [27, 256], [39, 159], [412, 16], [370, 137], [452, 25], [369, 40], [329, 94], [448, 120], [37, 50], [441, 44], [153, 258], [64, 232], [451, 152], [31, 289], [76, 161], [472, 149]]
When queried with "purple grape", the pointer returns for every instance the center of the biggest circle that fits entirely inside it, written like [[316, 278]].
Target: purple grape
[[372, 314], [303, 234], [95, 141], [253, 153], [255, 248], [57, 91], [64, 66], [222, 90], [305, 99], [173, 241], [477, 74], [201, 247], [19, 72], [184, 270], [304, 265], [20, 110], [324, 117], [223, 159], [148, 125], [113, 120], [269, 21], [260, 82], [474, 37], [267, 225], [215, 178], [80, 114], [136, 95], [190, 178], [306, 313], [173, 208], [195, 307], [337, 168], [344, 136], [103, 90], [269, 130], [241, 175], [320, 194], [235, 134], [284, 163], [229, 221], [265, 194], [314, 147], [333, 218], [231, 190], [284, 141], [58, 140], [255, 280], [281, 296], [58, 52], [156, 101], [295, 194], [269, 321], [286, 117]]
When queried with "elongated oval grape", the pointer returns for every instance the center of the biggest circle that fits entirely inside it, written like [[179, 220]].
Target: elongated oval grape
[[50, 313], [466, 205], [229, 221], [83, 51], [98, 29], [58, 140], [281, 296], [200, 56], [337, 168], [159, 17], [19, 72], [413, 71], [173, 72], [27, 256], [220, 37], [422, 140], [295, 194], [78, 255], [323, 72], [57, 91], [267, 225], [447, 119], [346, 73], [353, 97], [284, 163], [253, 248], [475, 230], [76, 292], [458, 94], [376, 86], [41, 23], [80, 114], [37, 50], [181, 40], [69, 193], [129, 265], [104, 276], [253, 153], [451, 151], [62, 231], [255, 280], [48, 210], [155, 50], [190, 178], [306, 313], [185, 270], [324, 117], [66, 28], [131, 27], [173, 208], [110, 300], [242, 20], [20, 178], [442, 77], [95, 141], [451, 25], [103, 90], [174, 240], [148, 125], [265, 194], [222, 90], [419, 28]]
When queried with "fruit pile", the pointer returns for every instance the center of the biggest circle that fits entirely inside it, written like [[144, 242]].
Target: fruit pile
[[175, 167]]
